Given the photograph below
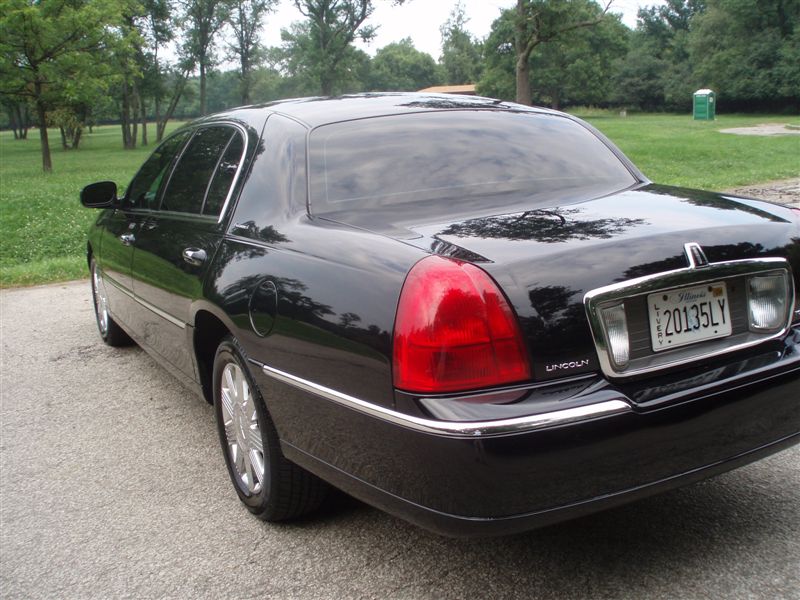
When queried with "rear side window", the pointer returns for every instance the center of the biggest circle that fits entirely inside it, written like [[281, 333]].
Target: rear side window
[[225, 171], [143, 190], [187, 186], [482, 158]]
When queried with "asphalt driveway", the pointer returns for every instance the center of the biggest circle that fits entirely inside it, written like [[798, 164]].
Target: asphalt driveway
[[112, 485]]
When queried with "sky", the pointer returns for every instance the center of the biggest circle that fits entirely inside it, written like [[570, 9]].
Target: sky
[[420, 20]]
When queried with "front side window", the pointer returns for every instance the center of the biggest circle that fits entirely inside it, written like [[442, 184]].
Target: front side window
[[144, 188], [186, 190]]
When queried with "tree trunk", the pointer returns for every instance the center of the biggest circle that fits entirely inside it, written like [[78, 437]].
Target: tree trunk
[[246, 80], [143, 114], [64, 144], [157, 95], [202, 87], [76, 138], [522, 53], [123, 117], [24, 121], [523, 81], [161, 124], [83, 116], [326, 83], [12, 119], [157, 109], [47, 163], [134, 118]]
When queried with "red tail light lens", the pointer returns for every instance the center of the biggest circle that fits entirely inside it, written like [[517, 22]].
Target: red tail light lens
[[455, 331]]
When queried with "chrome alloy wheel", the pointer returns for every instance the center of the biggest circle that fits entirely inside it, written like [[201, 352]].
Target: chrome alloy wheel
[[100, 301], [242, 431]]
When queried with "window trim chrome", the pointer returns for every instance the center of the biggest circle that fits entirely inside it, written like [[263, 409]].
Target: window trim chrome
[[695, 274], [460, 429], [193, 129], [224, 209]]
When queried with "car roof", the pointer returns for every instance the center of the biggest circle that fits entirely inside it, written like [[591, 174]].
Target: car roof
[[316, 111]]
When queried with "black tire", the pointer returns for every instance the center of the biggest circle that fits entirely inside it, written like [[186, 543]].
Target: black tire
[[283, 491], [111, 333]]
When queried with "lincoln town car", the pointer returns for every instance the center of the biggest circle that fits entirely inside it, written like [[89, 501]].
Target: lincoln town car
[[478, 316]]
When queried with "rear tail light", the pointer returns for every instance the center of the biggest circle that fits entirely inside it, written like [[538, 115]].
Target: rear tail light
[[455, 331]]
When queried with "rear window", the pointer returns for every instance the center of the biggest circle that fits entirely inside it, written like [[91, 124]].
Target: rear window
[[464, 155]]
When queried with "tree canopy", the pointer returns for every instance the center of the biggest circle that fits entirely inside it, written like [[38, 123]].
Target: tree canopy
[[574, 67], [71, 63], [461, 60], [51, 52], [400, 67]]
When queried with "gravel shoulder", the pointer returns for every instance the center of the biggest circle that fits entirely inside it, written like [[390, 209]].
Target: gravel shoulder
[[786, 191], [112, 485], [764, 129]]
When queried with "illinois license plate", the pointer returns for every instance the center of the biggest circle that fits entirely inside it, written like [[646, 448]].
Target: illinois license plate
[[688, 315]]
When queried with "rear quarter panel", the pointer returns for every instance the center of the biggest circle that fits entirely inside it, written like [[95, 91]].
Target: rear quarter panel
[[337, 292]]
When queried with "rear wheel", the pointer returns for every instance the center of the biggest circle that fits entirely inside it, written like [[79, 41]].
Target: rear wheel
[[112, 334], [270, 486]]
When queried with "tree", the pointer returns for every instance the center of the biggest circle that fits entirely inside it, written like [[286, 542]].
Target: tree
[[401, 67], [461, 57], [498, 78], [578, 67], [575, 68], [333, 25], [18, 115], [657, 73], [746, 50], [177, 76], [639, 82], [203, 20], [268, 85], [50, 50], [299, 60], [541, 21], [788, 68], [245, 20], [223, 90], [128, 56], [156, 30]]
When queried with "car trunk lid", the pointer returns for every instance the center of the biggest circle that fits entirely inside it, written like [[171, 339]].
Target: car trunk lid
[[547, 258]]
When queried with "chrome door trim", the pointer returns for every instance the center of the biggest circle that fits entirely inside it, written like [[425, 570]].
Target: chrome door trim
[[164, 315]]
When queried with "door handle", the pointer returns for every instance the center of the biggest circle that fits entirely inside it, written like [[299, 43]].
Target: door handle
[[194, 257], [127, 239]]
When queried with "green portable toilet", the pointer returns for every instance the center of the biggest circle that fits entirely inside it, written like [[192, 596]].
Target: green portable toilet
[[705, 105]]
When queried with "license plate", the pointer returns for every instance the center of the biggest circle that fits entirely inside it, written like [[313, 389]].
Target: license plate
[[688, 315]]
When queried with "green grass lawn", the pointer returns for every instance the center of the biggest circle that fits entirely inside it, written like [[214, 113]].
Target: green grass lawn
[[43, 227], [42, 224], [677, 150]]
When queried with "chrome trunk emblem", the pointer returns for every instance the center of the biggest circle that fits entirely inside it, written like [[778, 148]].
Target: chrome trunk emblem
[[695, 255]]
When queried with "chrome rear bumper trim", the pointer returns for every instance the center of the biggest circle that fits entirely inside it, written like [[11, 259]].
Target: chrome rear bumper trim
[[465, 429]]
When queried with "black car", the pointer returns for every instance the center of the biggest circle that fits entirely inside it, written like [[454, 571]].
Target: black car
[[477, 316]]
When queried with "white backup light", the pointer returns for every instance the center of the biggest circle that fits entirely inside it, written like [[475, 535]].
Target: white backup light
[[616, 326], [767, 298]]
